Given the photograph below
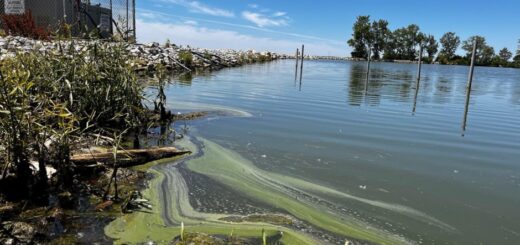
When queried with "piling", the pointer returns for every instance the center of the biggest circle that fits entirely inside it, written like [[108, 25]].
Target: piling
[[369, 59], [468, 86], [418, 82], [301, 66], [297, 57]]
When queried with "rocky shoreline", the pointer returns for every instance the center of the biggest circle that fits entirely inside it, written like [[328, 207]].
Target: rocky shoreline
[[148, 56], [171, 56]]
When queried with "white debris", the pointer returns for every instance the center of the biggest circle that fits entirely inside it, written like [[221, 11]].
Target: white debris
[[36, 167]]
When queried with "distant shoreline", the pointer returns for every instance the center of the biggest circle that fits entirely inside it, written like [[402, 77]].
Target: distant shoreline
[[337, 58]]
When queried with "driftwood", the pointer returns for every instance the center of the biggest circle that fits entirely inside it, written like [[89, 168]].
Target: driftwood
[[221, 61], [179, 63], [208, 61], [127, 158]]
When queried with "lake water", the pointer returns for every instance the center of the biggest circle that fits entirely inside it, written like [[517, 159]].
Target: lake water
[[329, 131]]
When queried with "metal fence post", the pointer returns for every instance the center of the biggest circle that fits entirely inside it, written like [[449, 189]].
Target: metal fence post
[[133, 17], [127, 19]]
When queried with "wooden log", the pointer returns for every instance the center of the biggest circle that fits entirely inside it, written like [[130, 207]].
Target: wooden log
[[221, 61], [201, 56], [127, 158], [179, 63]]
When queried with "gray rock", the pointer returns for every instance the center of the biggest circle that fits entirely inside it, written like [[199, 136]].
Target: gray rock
[[150, 54]]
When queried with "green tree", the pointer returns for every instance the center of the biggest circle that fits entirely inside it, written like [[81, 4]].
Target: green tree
[[505, 54], [484, 54], [405, 42], [487, 55], [431, 46], [517, 56], [390, 48], [450, 43], [361, 37], [381, 36], [518, 49], [399, 43], [413, 38]]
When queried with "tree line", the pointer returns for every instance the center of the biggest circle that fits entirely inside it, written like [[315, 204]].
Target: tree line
[[376, 40]]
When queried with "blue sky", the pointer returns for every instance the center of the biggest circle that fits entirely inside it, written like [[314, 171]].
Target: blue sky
[[323, 26]]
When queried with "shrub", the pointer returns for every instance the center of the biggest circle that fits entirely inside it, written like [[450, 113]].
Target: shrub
[[186, 58], [58, 97], [23, 25]]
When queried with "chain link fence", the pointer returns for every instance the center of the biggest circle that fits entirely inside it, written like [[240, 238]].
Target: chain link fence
[[106, 17]]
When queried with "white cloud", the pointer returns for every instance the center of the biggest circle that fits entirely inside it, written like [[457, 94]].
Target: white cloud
[[279, 14], [148, 15], [169, 17], [263, 21], [191, 22], [197, 36], [198, 7]]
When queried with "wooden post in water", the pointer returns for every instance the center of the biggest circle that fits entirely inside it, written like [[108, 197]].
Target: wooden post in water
[[301, 66], [297, 57], [418, 82], [369, 59], [468, 86]]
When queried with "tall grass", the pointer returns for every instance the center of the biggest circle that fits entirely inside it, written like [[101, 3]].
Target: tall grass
[[47, 101]]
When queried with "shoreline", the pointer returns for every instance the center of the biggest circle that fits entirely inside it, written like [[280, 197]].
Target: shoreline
[[147, 57]]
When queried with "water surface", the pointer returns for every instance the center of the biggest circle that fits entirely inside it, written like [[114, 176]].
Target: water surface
[[333, 131]]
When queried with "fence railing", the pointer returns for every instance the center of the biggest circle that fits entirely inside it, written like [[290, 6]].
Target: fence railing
[[107, 17]]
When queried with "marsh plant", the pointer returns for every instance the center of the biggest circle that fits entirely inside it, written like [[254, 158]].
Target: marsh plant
[[264, 237], [182, 231], [186, 58], [160, 101], [48, 101]]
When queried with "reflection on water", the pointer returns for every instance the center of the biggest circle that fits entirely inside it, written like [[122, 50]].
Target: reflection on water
[[515, 93], [185, 79], [380, 82], [356, 85], [334, 134], [395, 82]]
